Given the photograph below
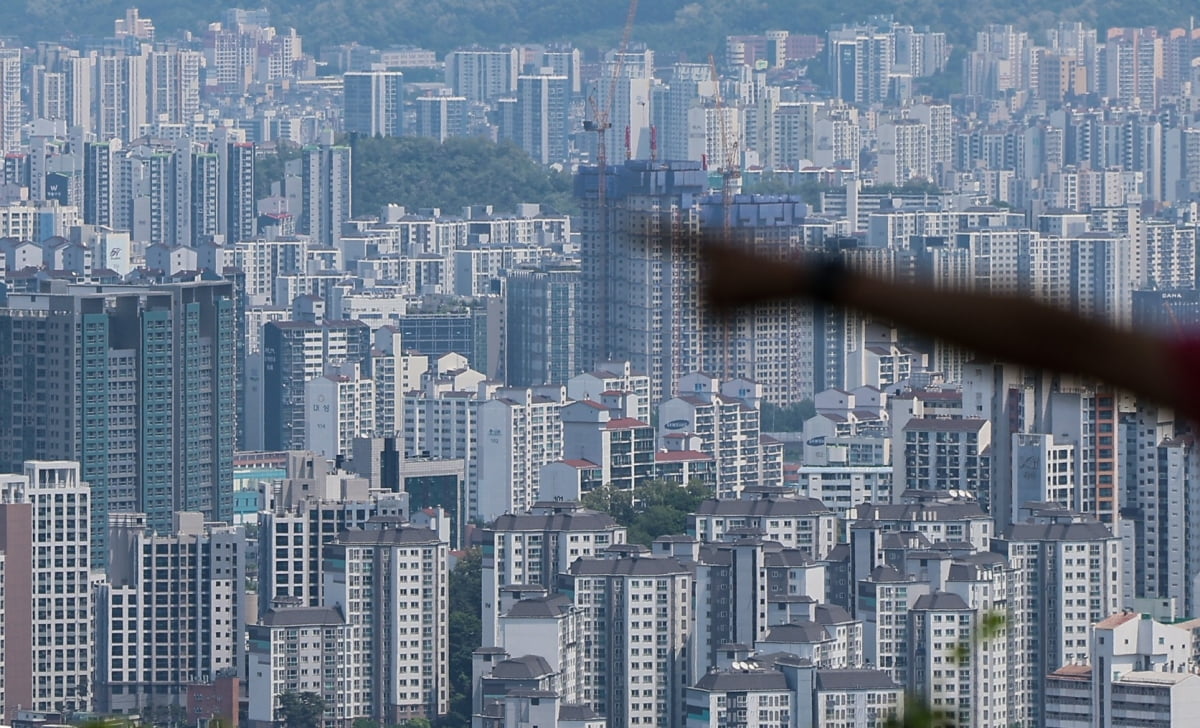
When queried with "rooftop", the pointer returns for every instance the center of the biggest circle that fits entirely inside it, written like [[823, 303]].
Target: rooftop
[[855, 680], [302, 617], [551, 606], [742, 681]]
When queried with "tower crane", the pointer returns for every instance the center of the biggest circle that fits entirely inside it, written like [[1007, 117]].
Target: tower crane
[[599, 123], [731, 172]]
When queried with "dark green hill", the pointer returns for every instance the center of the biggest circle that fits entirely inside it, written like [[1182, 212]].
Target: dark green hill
[[696, 27], [417, 172]]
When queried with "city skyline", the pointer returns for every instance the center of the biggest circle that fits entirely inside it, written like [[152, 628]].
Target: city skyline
[[280, 450]]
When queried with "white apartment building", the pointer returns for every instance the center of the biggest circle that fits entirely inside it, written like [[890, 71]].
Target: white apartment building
[[534, 548], [311, 509], [792, 133], [801, 523], [749, 697], [396, 373], [944, 455], [877, 361], [845, 698], [46, 513], [1067, 577], [1093, 274], [393, 582], [637, 629], [1133, 642], [1154, 700], [940, 521], [1043, 471], [339, 406], [984, 583], [37, 221], [477, 267], [904, 152], [264, 260], [615, 385], [1167, 551], [520, 430], [1139, 675], [623, 448], [1168, 254], [727, 427], [941, 631], [548, 627], [842, 487], [301, 650], [882, 601], [835, 644], [483, 75], [171, 612], [439, 419]]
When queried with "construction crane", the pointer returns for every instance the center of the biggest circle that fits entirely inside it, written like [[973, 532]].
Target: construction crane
[[600, 123], [601, 120], [731, 172], [729, 168]]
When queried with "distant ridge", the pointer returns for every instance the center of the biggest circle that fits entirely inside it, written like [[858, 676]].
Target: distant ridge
[[670, 26]]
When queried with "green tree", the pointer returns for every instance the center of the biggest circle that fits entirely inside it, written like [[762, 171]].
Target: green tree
[[686, 28], [652, 509], [417, 172], [301, 710], [269, 167], [466, 634], [772, 184], [168, 715], [364, 723], [788, 418], [416, 723]]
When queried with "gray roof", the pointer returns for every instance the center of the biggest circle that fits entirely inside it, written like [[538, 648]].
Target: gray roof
[[938, 424], [739, 681], [801, 631], [572, 711], [887, 573], [550, 606], [1080, 531], [960, 571], [790, 599], [831, 614], [904, 540], [632, 549], [841, 552], [786, 558], [940, 601], [579, 520], [410, 535], [763, 507], [527, 667], [531, 693], [854, 680], [749, 534], [302, 617], [987, 559], [712, 554], [919, 512], [539, 589], [628, 566]]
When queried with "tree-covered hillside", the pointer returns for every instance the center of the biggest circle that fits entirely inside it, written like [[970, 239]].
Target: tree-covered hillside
[[696, 27], [417, 172]]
